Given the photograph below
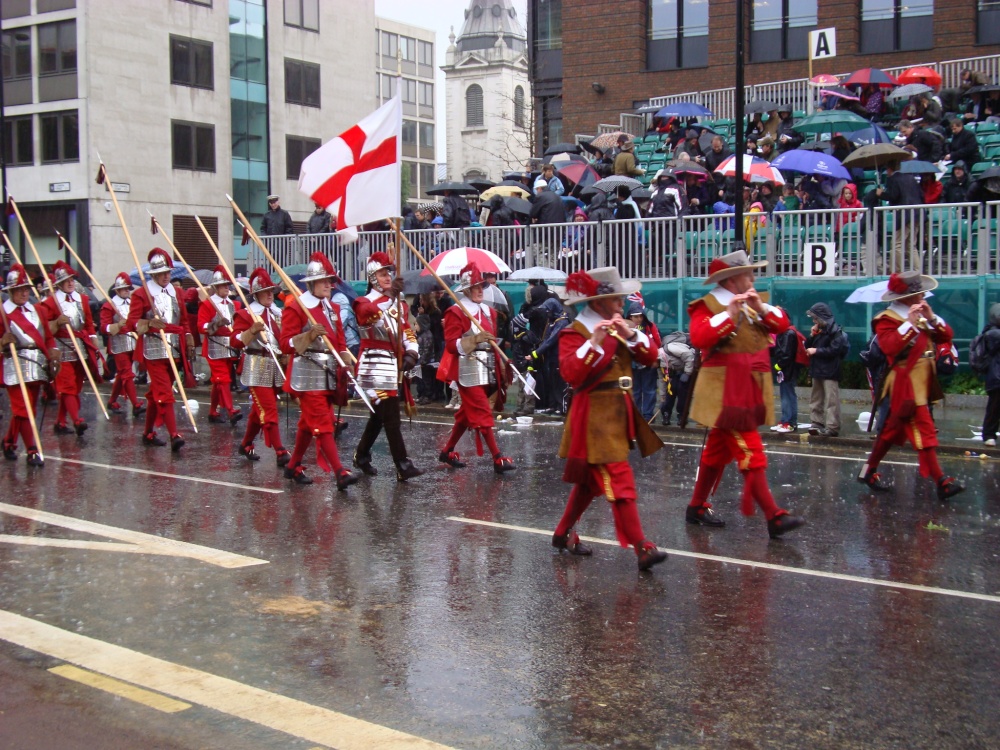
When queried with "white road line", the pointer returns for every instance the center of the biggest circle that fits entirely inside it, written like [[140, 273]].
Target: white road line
[[168, 475], [755, 564], [147, 543], [293, 717]]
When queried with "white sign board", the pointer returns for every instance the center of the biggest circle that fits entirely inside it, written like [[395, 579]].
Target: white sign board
[[822, 43], [819, 259]]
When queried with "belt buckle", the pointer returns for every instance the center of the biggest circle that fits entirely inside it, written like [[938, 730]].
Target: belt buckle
[[625, 383]]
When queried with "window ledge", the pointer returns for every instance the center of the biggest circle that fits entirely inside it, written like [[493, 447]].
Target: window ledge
[[476, 129]]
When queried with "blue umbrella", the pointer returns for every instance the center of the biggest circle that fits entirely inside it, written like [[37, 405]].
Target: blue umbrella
[[919, 167], [684, 109], [811, 162], [868, 136], [577, 203]]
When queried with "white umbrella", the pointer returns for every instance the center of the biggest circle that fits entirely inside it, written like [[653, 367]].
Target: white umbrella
[[872, 293], [538, 272]]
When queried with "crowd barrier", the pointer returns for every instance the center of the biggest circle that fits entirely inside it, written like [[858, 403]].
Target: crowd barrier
[[958, 239]]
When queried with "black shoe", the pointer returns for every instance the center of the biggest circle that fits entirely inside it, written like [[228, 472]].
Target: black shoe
[[576, 547], [703, 516], [248, 452], [34, 459], [503, 464], [176, 443], [216, 419], [152, 439], [298, 475], [138, 410], [816, 430], [340, 426], [783, 524], [406, 470], [452, 459], [61, 429], [949, 487], [115, 408], [365, 464], [282, 457], [649, 556], [825, 432], [235, 416], [80, 427], [10, 452], [345, 479], [874, 480]]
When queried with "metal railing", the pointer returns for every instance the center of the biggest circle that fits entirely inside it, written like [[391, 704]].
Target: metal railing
[[961, 239]]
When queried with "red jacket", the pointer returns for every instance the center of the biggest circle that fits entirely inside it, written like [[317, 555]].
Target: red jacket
[[456, 325], [294, 321], [206, 314]]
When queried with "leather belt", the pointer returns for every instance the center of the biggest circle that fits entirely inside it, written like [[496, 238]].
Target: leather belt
[[621, 384]]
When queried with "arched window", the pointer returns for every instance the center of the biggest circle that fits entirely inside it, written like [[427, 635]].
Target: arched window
[[519, 107], [474, 106]]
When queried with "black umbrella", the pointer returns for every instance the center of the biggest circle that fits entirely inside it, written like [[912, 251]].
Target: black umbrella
[[455, 187], [482, 185], [989, 174], [824, 146], [514, 183], [985, 88], [558, 148], [642, 194], [518, 205], [415, 283], [585, 145], [761, 106]]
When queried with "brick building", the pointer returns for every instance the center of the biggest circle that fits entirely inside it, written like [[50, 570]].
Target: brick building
[[591, 60]]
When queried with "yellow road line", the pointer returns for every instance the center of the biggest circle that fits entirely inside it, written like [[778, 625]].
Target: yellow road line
[[294, 717], [755, 564], [153, 545], [121, 689]]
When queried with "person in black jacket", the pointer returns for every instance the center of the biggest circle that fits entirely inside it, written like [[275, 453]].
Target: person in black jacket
[[827, 346], [903, 190], [784, 356], [276, 220], [991, 421], [956, 186], [963, 145]]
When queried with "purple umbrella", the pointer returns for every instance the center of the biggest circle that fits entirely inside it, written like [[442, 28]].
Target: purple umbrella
[[811, 162]]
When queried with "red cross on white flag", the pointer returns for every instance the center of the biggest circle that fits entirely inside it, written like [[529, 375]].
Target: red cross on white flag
[[357, 175]]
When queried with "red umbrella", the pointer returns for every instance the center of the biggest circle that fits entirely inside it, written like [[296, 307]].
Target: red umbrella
[[752, 167], [451, 262], [824, 79], [580, 173], [922, 74], [870, 77]]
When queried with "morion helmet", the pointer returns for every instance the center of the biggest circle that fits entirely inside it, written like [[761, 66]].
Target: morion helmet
[[122, 281], [376, 263], [319, 267], [159, 261]]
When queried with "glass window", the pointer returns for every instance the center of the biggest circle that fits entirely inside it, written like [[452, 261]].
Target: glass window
[[390, 44], [426, 135], [409, 133], [426, 178], [302, 14], [17, 54], [518, 107], [60, 137], [426, 94], [895, 26], [409, 91], [548, 25], [191, 63], [193, 146], [390, 85], [57, 48], [297, 148], [425, 53], [779, 29], [18, 148], [47, 6], [678, 34], [474, 106], [988, 22], [302, 83], [408, 48]]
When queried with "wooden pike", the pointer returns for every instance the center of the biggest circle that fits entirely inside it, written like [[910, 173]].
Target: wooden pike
[[52, 290], [79, 262], [24, 388], [297, 294], [102, 176]]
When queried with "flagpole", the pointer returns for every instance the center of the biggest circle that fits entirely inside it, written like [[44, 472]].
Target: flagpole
[[297, 294], [84, 363], [102, 176], [504, 358]]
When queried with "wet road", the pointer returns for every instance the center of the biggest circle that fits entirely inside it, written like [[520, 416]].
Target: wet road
[[386, 616]]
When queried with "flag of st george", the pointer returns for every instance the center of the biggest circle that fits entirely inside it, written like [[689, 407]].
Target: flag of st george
[[356, 176]]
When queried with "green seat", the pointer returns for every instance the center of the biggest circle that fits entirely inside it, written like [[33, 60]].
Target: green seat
[[992, 152], [849, 245], [708, 243], [978, 169], [818, 233], [871, 175], [987, 128]]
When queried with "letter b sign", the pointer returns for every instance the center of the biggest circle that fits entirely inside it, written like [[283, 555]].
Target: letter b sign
[[820, 259]]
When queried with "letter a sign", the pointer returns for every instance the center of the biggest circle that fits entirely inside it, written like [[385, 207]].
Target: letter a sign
[[822, 43]]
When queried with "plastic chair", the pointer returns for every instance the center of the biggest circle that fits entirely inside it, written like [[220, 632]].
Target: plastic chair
[[987, 128]]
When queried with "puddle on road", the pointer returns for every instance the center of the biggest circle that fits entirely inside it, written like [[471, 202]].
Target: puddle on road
[[298, 606]]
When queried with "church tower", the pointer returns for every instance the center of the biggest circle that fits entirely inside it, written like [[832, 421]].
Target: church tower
[[487, 95]]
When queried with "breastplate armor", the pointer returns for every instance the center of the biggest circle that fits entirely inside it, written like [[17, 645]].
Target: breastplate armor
[[74, 311], [315, 369], [121, 342], [218, 346], [169, 310], [30, 358], [258, 364], [477, 368]]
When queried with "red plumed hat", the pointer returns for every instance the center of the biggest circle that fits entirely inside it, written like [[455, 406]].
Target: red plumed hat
[[122, 281], [319, 267], [17, 277], [62, 271], [908, 283], [470, 277], [159, 260], [220, 276], [582, 284], [260, 281]]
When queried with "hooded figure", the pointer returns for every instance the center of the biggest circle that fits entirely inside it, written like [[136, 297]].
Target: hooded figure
[[598, 210], [827, 346], [500, 213], [956, 186]]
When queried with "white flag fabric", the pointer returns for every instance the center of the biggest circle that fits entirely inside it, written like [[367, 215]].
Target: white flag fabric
[[357, 175]]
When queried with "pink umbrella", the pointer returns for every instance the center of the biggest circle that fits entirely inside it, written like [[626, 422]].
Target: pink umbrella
[[582, 174], [824, 79], [752, 167], [451, 262]]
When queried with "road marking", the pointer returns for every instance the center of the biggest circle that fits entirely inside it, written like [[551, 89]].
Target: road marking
[[293, 717], [121, 689], [755, 564], [136, 541], [165, 474]]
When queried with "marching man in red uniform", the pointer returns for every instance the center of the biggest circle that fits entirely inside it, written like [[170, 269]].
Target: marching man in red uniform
[[26, 326], [596, 352], [68, 307], [155, 308], [383, 322], [733, 395], [908, 333], [215, 320], [313, 376], [259, 372], [121, 346], [470, 360]]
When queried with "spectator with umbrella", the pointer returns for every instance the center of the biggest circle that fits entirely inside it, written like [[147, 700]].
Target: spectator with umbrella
[[625, 162], [690, 146]]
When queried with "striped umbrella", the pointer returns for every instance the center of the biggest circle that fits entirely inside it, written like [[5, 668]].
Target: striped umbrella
[[453, 261], [752, 167]]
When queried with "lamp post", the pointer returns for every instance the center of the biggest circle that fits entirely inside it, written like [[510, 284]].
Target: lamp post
[[741, 146]]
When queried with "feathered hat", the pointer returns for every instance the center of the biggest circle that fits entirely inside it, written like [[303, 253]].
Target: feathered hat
[[260, 281], [319, 267], [62, 271], [17, 278], [599, 283], [908, 283], [376, 263], [122, 281], [220, 276], [730, 265], [470, 277], [159, 260]]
